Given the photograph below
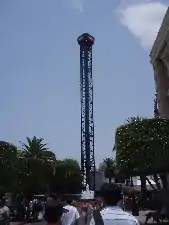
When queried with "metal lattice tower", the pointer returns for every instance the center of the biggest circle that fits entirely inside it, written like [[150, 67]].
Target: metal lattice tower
[[86, 42], [156, 112]]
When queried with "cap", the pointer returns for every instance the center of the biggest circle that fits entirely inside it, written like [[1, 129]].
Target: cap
[[53, 210]]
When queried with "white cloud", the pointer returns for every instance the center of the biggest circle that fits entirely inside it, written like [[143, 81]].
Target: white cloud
[[142, 18], [78, 5]]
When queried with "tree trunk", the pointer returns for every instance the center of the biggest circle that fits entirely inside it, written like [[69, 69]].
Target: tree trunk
[[152, 186], [163, 177], [143, 187], [157, 181]]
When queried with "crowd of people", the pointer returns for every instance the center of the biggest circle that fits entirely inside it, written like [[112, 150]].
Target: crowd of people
[[26, 210], [112, 206], [22, 209], [105, 210]]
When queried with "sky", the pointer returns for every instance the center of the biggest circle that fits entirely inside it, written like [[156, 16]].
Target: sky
[[40, 74]]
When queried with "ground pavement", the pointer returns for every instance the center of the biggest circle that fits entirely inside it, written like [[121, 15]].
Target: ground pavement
[[141, 218]]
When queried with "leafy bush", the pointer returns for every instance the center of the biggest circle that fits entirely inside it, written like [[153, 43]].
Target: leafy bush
[[142, 146]]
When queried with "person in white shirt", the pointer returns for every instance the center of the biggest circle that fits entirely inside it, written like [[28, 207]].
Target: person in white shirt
[[112, 214], [72, 216], [4, 213]]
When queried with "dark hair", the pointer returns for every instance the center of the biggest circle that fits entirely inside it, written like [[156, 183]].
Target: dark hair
[[69, 200], [111, 193], [52, 218], [1, 203], [53, 211], [54, 196]]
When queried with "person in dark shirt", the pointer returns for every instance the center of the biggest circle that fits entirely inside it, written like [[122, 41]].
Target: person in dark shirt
[[135, 211], [53, 212]]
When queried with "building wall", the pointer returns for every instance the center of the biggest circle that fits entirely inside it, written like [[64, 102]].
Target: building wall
[[161, 77], [159, 56], [160, 61]]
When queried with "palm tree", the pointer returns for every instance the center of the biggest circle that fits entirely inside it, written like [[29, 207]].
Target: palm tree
[[36, 149], [134, 119], [109, 168], [39, 161]]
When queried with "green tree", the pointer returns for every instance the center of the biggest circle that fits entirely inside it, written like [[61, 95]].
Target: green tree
[[143, 147], [67, 177], [132, 120], [8, 160], [36, 149], [109, 168], [34, 169], [35, 163]]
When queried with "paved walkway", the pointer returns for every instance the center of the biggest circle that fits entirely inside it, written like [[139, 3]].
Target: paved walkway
[[141, 218]]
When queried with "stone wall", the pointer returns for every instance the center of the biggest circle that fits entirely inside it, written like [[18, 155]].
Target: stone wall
[[160, 61]]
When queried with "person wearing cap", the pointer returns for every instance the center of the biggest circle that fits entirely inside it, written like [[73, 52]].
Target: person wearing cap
[[53, 212], [112, 214]]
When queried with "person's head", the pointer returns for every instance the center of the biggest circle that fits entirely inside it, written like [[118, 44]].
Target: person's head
[[2, 192], [1, 202], [53, 212], [111, 193], [95, 203], [54, 196], [69, 200]]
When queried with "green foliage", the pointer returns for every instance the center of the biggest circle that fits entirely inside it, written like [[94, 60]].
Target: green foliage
[[8, 160], [109, 167], [142, 146], [34, 169], [35, 148], [67, 172]]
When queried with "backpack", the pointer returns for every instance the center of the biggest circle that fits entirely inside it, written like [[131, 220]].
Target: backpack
[[97, 217]]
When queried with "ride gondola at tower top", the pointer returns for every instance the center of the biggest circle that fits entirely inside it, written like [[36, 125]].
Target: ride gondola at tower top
[[86, 39]]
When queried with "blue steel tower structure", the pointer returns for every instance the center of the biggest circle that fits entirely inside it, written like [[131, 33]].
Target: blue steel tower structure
[[86, 42]]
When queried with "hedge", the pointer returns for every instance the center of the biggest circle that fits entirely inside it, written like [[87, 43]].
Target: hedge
[[142, 147]]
